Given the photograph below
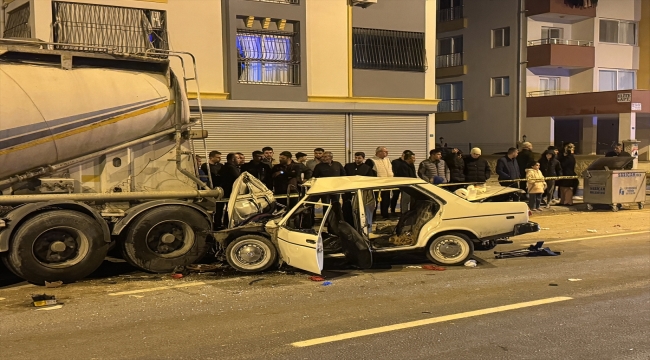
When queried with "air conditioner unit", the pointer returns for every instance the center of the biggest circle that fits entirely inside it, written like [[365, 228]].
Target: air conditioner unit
[[363, 3]]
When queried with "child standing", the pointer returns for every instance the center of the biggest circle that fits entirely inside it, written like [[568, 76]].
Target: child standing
[[536, 186]]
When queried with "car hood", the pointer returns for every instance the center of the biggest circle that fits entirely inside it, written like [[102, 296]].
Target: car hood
[[483, 193], [249, 197]]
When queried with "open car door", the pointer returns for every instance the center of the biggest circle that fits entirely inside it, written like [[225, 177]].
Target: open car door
[[357, 248], [300, 243], [250, 197]]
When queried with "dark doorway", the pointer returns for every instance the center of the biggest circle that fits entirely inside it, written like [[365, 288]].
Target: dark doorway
[[567, 131], [606, 135]]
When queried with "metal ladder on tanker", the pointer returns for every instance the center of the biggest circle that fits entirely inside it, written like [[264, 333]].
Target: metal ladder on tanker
[[194, 78]]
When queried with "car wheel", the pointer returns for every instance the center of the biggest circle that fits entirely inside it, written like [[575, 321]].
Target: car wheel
[[450, 249], [58, 245], [165, 237], [251, 253]]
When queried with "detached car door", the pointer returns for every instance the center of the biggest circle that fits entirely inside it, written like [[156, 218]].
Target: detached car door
[[249, 197], [302, 246]]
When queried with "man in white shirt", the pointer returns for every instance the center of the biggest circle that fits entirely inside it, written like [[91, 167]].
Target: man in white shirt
[[383, 168]]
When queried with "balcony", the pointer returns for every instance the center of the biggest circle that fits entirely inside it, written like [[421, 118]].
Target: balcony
[[557, 11], [592, 103], [451, 19], [563, 53], [450, 65], [451, 111]]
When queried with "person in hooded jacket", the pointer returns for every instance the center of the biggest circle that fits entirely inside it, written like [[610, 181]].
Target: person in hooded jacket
[[535, 185], [550, 167]]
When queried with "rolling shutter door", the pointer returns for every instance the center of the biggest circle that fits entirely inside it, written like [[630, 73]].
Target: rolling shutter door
[[247, 132], [397, 133]]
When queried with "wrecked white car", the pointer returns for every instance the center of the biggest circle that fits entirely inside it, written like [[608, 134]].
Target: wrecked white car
[[443, 225]]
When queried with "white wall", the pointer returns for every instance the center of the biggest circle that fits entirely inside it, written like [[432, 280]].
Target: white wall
[[327, 47], [619, 9], [195, 26]]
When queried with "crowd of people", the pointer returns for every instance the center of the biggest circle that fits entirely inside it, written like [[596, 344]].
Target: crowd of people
[[518, 168]]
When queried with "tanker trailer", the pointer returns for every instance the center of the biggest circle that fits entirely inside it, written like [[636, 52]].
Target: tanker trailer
[[94, 153]]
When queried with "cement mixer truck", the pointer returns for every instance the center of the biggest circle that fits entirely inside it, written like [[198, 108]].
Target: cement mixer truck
[[96, 153]]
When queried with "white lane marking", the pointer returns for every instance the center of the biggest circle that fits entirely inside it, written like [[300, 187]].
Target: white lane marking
[[157, 288], [596, 237], [412, 324], [50, 308]]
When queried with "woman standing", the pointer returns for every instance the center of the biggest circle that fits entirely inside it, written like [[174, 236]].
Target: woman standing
[[550, 167], [568, 164]]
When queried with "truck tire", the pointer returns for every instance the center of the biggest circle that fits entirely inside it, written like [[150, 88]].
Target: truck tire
[[58, 245], [251, 253], [450, 249], [162, 238]]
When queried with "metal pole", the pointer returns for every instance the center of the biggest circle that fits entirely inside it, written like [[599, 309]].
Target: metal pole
[[139, 195]]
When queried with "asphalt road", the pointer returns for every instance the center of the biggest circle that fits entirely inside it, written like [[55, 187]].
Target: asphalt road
[[521, 308]]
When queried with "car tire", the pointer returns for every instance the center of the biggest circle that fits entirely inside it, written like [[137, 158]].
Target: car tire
[[165, 237], [33, 254], [251, 253], [450, 249]]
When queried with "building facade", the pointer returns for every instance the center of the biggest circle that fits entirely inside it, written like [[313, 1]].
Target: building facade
[[343, 75], [550, 73]]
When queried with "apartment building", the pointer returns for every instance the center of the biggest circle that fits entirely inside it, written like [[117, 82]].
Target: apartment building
[[545, 71], [345, 75]]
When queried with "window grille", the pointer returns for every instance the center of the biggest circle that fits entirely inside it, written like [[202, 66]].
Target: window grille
[[388, 50], [268, 57], [122, 29], [17, 24], [450, 10]]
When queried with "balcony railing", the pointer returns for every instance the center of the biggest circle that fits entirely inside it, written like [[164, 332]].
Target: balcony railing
[[450, 106], [443, 61], [555, 41], [450, 14], [549, 93]]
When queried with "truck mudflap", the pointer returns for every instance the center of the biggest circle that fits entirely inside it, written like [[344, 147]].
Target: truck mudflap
[[526, 228]]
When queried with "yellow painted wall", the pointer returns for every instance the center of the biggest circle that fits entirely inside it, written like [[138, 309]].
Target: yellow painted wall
[[643, 81], [327, 47], [430, 47], [194, 26]]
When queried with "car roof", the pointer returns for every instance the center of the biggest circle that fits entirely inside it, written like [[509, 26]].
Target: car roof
[[351, 183]]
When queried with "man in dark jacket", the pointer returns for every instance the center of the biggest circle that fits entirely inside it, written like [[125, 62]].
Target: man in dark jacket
[[228, 174], [524, 159], [259, 169], [456, 168], [214, 161], [399, 167], [405, 168], [618, 152], [476, 169], [286, 177], [328, 168], [508, 169], [301, 161], [359, 166]]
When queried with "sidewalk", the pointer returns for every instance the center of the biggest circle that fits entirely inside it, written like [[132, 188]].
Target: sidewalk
[[579, 206]]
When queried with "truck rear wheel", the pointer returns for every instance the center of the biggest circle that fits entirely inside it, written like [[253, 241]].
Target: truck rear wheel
[[58, 245], [165, 237]]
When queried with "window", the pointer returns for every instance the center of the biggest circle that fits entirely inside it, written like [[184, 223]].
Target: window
[[611, 80], [17, 24], [501, 86], [450, 10], [451, 97], [549, 85], [501, 37], [450, 51], [388, 50], [267, 57], [552, 33], [121, 29], [617, 32]]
